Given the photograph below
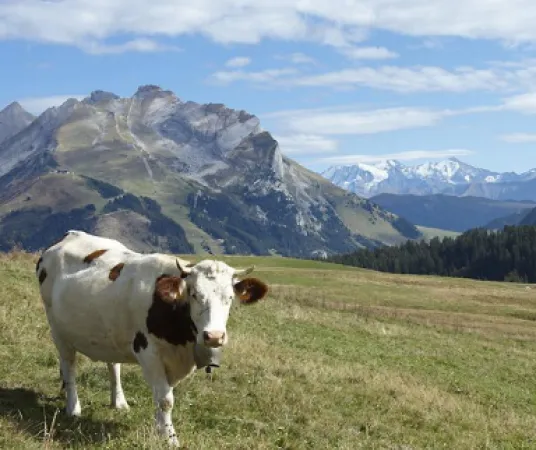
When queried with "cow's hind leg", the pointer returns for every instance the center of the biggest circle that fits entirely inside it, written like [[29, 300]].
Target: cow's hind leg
[[117, 396], [68, 373], [67, 356], [155, 375]]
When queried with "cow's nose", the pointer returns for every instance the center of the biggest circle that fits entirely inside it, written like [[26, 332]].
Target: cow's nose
[[214, 338]]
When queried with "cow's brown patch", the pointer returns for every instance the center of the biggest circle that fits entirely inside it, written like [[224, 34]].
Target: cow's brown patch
[[250, 290], [94, 255], [169, 317], [116, 271], [140, 342], [42, 276]]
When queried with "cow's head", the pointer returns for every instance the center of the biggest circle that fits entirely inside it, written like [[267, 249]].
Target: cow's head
[[210, 288]]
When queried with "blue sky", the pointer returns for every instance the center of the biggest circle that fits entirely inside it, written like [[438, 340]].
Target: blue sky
[[335, 82]]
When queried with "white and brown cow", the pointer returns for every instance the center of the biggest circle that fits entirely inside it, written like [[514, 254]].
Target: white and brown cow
[[118, 306]]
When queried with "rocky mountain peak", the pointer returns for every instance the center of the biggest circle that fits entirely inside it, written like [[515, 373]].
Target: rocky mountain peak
[[101, 96], [205, 168], [13, 118]]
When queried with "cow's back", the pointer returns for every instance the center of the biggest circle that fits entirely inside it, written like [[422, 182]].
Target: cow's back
[[97, 293], [74, 252]]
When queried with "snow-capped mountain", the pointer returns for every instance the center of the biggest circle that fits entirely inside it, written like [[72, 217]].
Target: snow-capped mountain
[[451, 176], [160, 172]]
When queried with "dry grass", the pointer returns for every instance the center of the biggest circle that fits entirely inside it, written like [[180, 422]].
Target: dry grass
[[335, 358]]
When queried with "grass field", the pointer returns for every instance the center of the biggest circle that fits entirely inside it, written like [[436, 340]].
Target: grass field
[[335, 358]]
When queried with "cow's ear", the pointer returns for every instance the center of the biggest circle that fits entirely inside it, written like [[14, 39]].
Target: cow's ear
[[170, 289], [250, 290]]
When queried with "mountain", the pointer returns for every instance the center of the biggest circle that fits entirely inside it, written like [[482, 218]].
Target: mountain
[[13, 118], [529, 218], [450, 177], [449, 212], [158, 172], [524, 217]]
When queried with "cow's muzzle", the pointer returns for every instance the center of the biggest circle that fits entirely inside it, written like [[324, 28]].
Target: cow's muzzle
[[214, 339]]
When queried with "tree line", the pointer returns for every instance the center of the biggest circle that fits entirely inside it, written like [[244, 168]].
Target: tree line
[[506, 255]]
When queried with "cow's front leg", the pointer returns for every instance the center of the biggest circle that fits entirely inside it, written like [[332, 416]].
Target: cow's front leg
[[155, 375], [163, 399], [117, 395]]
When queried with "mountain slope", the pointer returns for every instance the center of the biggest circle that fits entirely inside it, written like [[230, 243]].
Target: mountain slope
[[205, 171], [529, 218], [449, 212], [451, 177], [13, 118]]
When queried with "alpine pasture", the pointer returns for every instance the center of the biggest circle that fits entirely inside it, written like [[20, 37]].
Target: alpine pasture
[[334, 358]]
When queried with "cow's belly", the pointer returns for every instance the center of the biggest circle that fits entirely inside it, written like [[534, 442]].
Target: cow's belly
[[102, 350], [100, 334]]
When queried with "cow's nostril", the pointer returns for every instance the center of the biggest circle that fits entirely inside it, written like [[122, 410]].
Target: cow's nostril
[[206, 335]]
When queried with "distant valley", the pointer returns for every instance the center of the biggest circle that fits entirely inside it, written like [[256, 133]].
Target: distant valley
[[455, 213]]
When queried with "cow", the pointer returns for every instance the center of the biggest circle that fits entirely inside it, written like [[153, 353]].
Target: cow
[[115, 305]]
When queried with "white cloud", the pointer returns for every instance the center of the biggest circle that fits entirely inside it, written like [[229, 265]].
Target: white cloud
[[401, 156], [239, 61], [306, 144], [36, 105], [519, 138], [524, 103], [336, 22], [368, 53], [430, 44], [297, 58], [269, 76], [407, 79], [135, 45], [348, 121]]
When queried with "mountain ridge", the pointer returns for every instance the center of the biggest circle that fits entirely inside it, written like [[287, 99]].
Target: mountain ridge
[[13, 119], [203, 170], [449, 177]]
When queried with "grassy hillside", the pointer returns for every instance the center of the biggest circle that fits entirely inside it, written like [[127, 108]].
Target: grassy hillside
[[430, 233], [334, 358]]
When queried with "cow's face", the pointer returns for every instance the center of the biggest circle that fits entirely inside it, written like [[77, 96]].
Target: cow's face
[[211, 287]]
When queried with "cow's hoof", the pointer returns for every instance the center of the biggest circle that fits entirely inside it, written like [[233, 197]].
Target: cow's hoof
[[121, 405], [74, 412]]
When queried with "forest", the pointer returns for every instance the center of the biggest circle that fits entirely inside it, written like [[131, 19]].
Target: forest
[[505, 255]]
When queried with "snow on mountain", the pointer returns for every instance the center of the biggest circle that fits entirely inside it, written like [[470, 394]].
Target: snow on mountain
[[450, 176]]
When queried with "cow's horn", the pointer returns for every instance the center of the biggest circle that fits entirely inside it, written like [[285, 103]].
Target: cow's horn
[[184, 270], [242, 272]]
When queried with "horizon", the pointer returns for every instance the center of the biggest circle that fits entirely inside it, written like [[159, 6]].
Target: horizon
[[344, 83]]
